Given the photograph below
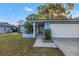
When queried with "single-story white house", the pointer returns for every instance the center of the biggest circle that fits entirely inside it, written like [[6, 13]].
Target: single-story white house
[[59, 28], [5, 27]]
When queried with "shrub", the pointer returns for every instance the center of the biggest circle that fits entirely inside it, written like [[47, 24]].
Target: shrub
[[47, 33], [29, 28], [14, 29]]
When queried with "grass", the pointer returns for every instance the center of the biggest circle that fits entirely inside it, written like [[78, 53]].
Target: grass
[[12, 44]]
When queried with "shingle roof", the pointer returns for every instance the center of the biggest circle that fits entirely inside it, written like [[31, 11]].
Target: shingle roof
[[4, 24]]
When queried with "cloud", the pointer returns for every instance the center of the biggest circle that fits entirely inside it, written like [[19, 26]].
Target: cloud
[[28, 9]]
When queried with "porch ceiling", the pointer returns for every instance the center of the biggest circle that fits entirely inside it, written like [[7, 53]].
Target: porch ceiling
[[39, 23]]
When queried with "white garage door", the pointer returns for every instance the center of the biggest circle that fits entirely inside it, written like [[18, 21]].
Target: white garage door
[[65, 30]]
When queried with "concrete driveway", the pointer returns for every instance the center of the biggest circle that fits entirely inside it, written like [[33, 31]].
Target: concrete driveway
[[70, 47]]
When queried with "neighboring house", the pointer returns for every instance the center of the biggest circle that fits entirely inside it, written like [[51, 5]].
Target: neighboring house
[[59, 28], [21, 26], [5, 27], [21, 29]]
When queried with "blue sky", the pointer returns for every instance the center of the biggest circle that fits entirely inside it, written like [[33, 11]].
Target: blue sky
[[75, 11], [13, 12], [17, 11]]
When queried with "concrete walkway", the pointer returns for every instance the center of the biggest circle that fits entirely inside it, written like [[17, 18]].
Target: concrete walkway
[[39, 43], [69, 47]]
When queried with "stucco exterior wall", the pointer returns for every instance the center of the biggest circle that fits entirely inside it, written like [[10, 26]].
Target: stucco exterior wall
[[27, 35], [1, 29], [8, 29], [5, 29], [46, 25], [24, 34]]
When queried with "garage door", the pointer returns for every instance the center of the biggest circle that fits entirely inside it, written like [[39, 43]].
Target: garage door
[[65, 30]]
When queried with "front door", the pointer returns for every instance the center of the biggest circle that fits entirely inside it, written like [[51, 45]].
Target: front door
[[40, 29]]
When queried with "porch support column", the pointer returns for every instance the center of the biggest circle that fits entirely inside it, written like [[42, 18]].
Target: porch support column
[[34, 30]]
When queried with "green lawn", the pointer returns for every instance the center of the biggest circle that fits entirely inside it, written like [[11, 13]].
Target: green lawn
[[13, 44]]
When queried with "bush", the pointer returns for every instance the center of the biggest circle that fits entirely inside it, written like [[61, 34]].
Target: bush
[[14, 30], [47, 34], [29, 28]]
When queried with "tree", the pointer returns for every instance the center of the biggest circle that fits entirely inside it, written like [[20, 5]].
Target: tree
[[68, 10], [32, 17], [43, 10], [29, 27], [53, 11], [20, 22]]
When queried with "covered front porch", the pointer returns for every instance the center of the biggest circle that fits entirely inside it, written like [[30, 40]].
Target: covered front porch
[[38, 29]]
